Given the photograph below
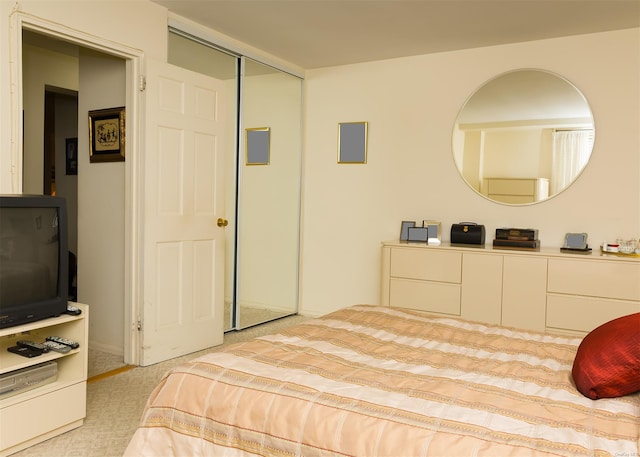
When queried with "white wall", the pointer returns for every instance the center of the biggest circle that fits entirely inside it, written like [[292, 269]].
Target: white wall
[[411, 105], [101, 207], [41, 67]]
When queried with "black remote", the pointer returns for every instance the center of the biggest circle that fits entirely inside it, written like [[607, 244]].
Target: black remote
[[24, 351], [32, 345], [58, 339]]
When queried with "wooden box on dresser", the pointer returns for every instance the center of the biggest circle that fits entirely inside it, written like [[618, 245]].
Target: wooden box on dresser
[[35, 415], [544, 290]]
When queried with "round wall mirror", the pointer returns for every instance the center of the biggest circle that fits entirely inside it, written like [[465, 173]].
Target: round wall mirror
[[523, 137]]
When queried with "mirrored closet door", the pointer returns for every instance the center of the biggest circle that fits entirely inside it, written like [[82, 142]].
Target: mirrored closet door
[[268, 194], [262, 172]]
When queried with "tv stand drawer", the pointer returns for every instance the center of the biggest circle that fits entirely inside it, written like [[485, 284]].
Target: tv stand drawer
[[39, 415]]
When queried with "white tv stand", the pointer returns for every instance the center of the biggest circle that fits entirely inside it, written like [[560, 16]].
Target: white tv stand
[[36, 415]]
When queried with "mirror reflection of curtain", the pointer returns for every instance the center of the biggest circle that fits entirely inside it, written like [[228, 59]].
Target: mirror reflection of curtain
[[571, 151]]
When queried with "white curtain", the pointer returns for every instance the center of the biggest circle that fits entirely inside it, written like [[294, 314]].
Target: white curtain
[[571, 151]]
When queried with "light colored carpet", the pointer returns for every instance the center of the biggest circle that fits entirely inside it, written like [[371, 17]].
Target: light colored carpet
[[102, 362], [250, 316], [115, 404]]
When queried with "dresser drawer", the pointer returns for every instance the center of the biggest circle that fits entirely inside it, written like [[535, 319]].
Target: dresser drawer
[[435, 297], [430, 265], [585, 313], [513, 199], [512, 186], [609, 279]]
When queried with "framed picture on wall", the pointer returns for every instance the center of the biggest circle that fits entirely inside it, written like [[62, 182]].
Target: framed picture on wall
[[257, 146], [352, 142], [107, 135], [71, 156]]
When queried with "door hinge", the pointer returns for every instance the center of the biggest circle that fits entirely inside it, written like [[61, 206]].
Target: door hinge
[[143, 83], [139, 325]]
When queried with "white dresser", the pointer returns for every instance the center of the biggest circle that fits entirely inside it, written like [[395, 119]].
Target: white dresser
[[516, 190], [543, 290]]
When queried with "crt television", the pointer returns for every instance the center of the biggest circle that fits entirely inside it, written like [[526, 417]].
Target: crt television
[[34, 258]]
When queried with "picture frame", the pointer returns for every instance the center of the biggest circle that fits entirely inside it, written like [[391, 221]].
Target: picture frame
[[107, 135], [71, 156], [434, 232], [418, 234], [257, 145], [575, 240], [404, 229], [352, 142]]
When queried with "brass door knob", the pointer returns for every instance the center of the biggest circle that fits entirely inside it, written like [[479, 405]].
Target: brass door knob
[[222, 222]]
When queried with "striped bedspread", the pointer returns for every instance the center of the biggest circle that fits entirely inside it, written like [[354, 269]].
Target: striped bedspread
[[374, 381]]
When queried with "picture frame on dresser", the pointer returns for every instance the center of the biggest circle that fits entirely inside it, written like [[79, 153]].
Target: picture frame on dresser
[[418, 234], [404, 229], [575, 240]]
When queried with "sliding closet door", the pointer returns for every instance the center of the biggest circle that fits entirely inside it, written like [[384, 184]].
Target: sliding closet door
[[262, 186], [268, 194]]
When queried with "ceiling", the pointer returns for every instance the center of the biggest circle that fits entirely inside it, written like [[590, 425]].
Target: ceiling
[[321, 33]]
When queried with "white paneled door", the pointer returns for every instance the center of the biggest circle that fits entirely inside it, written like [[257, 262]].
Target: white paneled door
[[184, 198]]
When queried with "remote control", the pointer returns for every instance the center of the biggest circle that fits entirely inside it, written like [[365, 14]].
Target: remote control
[[24, 351], [58, 347], [58, 339], [73, 310], [32, 345]]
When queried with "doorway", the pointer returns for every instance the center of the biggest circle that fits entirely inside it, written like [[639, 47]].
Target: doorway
[[61, 80]]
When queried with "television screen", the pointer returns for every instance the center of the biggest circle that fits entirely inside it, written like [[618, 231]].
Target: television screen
[[33, 258], [28, 251]]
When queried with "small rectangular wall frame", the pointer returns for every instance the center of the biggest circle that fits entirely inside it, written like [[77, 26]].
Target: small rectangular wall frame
[[257, 146], [352, 142]]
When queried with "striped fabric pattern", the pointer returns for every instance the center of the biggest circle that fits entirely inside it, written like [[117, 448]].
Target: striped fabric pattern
[[376, 381]]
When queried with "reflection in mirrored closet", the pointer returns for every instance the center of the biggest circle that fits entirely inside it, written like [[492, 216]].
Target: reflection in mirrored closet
[[262, 197], [268, 195]]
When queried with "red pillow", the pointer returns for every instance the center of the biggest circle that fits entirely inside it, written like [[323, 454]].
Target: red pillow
[[607, 363]]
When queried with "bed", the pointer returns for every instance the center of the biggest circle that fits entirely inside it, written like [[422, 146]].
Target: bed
[[378, 381]]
